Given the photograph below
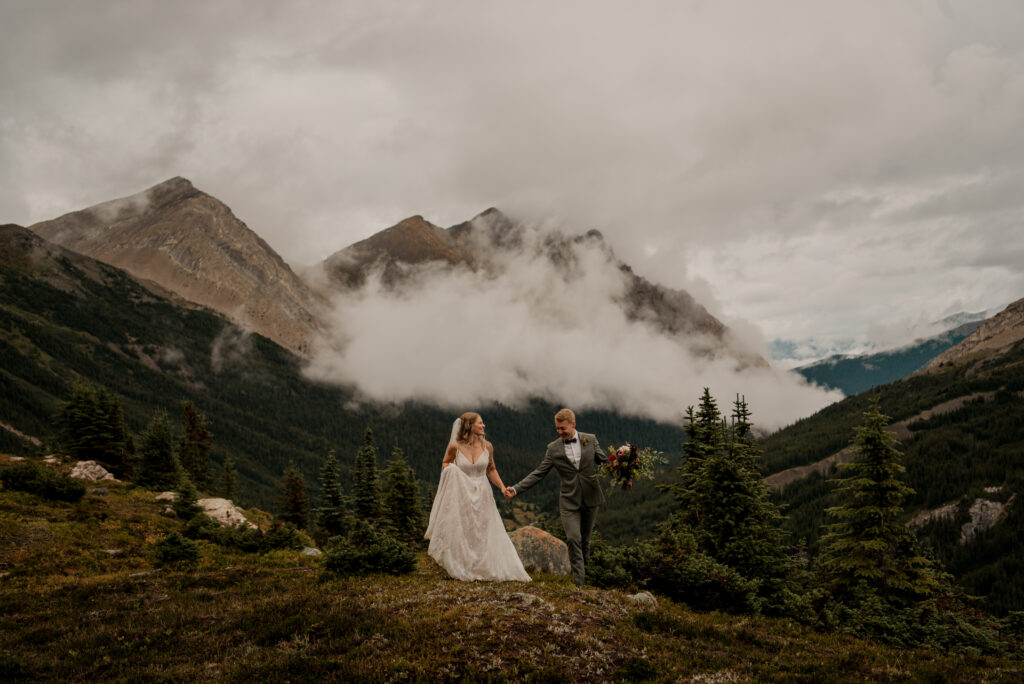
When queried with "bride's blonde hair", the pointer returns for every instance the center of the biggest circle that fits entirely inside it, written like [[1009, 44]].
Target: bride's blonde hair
[[469, 419]]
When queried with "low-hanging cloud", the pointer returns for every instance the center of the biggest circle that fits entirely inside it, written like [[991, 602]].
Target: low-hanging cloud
[[537, 328]]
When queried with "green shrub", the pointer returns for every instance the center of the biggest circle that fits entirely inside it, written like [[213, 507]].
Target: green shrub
[[244, 538], [943, 624], [367, 550], [671, 565], [610, 567], [175, 551], [37, 479]]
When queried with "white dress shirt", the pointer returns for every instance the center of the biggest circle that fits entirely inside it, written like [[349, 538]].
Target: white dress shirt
[[573, 450]]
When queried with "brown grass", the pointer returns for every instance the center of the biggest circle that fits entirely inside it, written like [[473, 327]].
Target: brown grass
[[71, 609]]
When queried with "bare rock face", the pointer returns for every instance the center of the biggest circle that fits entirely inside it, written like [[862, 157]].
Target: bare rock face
[[984, 514], [412, 242], [224, 511], [91, 470], [193, 245], [993, 336], [540, 551]]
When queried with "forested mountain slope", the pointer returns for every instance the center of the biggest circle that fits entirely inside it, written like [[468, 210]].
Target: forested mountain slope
[[66, 318], [954, 458], [855, 374]]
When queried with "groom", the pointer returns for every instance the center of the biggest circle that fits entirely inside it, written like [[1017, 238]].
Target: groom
[[575, 457]]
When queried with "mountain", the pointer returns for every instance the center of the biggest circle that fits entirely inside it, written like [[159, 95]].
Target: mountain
[[414, 249], [961, 429], [993, 337], [855, 374], [67, 318], [192, 244]]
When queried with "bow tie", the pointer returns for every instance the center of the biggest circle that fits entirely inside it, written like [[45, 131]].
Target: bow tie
[[569, 441]]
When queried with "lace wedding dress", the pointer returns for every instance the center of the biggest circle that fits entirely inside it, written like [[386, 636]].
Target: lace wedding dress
[[467, 537]]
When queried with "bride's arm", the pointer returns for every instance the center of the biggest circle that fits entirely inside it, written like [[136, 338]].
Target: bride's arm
[[449, 456], [492, 470]]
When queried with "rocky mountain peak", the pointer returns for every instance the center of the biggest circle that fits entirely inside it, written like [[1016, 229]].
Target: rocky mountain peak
[[192, 244], [409, 242]]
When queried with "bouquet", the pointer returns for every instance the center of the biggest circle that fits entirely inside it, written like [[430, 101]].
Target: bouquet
[[628, 463]]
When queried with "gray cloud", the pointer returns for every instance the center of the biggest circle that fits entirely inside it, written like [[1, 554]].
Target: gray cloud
[[698, 137]]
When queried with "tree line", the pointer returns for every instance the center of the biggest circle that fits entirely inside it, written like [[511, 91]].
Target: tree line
[[724, 545]]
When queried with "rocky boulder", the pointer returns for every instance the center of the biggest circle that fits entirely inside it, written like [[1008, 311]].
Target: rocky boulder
[[91, 470], [224, 511], [540, 551]]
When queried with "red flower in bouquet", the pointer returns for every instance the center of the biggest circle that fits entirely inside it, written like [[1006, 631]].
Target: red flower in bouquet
[[628, 463]]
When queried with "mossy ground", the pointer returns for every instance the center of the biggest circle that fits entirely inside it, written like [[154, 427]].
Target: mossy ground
[[80, 600]]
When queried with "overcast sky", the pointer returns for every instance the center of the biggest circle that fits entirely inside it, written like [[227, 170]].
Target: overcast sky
[[811, 170]]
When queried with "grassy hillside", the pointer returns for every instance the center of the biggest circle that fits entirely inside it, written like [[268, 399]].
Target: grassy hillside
[[81, 601], [976, 451]]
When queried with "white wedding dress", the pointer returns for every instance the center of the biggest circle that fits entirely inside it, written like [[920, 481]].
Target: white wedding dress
[[467, 537]]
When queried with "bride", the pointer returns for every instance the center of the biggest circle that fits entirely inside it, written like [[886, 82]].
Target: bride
[[467, 537]]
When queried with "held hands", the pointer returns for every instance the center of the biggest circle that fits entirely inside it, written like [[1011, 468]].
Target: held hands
[[508, 492]]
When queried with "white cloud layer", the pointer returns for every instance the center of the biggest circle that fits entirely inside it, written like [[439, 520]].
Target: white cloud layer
[[814, 170], [464, 339]]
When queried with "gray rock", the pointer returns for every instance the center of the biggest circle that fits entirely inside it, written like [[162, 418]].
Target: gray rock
[[99, 491], [540, 551], [167, 496], [644, 599], [310, 551], [91, 470], [169, 512], [529, 599], [224, 511], [144, 573]]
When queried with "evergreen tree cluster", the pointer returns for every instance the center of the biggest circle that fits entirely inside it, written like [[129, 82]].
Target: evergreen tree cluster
[[92, 427], [725, 526], [724, 547], [379, 530]]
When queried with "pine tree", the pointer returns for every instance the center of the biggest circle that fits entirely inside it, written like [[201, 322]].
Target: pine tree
[[367, 496], [92, 428], [726, 505], [186, 505], [402, 501], [332, 518], [158, 467], [195, 447], [868, 551], [293, 502], [228, 479]]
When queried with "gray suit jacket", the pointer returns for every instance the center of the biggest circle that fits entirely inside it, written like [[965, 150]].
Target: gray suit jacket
[[579, 487]]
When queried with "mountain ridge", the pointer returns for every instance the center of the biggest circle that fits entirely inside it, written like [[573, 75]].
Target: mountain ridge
[[484, 245], [192, 243]]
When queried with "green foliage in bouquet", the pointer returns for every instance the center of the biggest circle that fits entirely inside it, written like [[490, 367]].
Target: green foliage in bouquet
[[37, 479], [629, 463], [367, 550]]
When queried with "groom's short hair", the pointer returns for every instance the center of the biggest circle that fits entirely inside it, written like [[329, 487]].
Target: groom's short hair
[[565, 416]]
